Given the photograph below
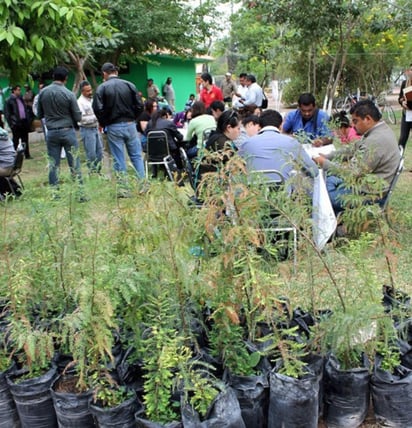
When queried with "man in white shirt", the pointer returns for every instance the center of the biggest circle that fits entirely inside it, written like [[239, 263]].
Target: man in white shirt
[[89, 129], [241, 91], [254, 94]]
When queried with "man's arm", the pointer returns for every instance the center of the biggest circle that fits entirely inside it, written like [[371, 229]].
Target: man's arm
[[98, 106], [401, 98], [287, 125], [324, 136], [74, 108]]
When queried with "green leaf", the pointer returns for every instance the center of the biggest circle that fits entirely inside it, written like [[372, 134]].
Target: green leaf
[[254, 359], [39, 45], [18, 33], [10, 38], [63, 11]]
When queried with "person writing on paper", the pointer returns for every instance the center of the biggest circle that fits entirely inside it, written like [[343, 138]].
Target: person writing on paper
[[376, 154], [406, 120], [269, 149], [308, 123]]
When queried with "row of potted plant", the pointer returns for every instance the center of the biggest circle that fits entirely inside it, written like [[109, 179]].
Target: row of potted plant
[[183, 310]]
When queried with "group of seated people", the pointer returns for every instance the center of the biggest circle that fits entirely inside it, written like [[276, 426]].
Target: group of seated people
[[266, 141]]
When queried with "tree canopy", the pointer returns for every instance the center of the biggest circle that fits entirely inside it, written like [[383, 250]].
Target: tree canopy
[[322, 46], [36, 35]]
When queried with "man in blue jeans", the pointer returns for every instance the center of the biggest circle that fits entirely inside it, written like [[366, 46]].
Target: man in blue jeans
[[58, 106], [89, 129], [376, 154], [117, 106]]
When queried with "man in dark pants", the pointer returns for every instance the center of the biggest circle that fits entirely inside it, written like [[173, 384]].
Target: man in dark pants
[[17, 117], [406, 124], [58, 106]]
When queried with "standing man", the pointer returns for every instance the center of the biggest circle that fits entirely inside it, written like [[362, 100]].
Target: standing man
[[406, 120], [169, 93], [308, 122], [241, 91], [209, 92], [152, 90], [254, 93], [28, 99], [117, 105], [17, 117], [228, 89], [58, 107], [89, 129]]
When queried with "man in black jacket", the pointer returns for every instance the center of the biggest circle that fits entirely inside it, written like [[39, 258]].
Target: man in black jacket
[[117, 105], [17, 117]]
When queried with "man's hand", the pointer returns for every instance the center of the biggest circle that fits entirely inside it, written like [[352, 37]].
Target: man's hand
[[322, 141], [319, 160]]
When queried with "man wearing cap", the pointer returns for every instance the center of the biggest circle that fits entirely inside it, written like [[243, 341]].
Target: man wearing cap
[[117, 105], [228, 89], [60, 111]]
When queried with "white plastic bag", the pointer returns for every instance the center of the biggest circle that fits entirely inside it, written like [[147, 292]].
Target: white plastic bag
[[323, 216]]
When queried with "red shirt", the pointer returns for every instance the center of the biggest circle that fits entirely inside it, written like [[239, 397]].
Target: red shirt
[[208, 96]]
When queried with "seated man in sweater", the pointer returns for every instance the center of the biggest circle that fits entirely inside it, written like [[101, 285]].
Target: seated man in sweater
[[7, 154], [376, 154]]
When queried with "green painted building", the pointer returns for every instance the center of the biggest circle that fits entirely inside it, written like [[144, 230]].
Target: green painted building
[[184, 73]]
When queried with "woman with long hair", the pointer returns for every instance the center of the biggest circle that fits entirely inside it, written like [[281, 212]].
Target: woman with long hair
[[162, 121], [150, 107], [200, 122]]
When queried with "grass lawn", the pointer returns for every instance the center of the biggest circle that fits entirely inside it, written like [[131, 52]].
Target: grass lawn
[[103, 200]]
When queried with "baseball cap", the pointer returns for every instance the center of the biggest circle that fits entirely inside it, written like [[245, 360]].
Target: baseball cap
[[108, 67], [228, 74]]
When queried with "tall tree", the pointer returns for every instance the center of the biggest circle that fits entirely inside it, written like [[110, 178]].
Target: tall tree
[[159, 25], [34, 33], [323, 45]]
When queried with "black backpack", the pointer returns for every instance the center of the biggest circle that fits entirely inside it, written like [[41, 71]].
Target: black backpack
[[264, 100]]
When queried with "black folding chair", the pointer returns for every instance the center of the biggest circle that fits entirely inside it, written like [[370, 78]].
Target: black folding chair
[[187, 167], [385, 203], [12, 186], [158, 153]]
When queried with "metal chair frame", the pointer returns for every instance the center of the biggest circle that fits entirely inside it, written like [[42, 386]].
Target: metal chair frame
[[277, 224], [158, 152], [385, 205]]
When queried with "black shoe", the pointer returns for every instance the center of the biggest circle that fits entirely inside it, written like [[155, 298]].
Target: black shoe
[[123, 194], [29, 157]]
